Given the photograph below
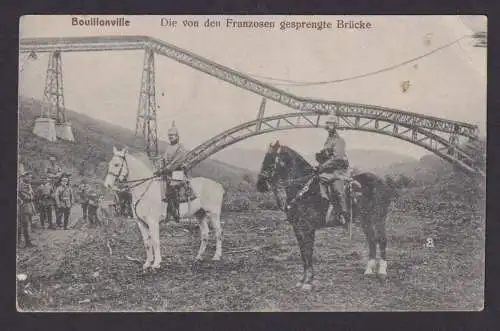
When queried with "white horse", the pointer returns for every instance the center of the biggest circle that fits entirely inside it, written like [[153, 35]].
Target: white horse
[[149, 209]]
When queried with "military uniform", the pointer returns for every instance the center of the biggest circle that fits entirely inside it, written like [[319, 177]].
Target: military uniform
[[46, 202], [64, 201], [93, 204], [173, 191], [25, 209], [83, 191], [333, 170]]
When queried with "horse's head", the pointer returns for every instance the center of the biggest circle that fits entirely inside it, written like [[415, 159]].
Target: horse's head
[[273, 167], [117, 168]]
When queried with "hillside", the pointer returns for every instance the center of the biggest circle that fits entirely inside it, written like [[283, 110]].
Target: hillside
[[95, 140], [367, 160]]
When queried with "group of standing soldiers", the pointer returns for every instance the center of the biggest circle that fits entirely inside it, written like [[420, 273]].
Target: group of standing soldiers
[[54, 194]]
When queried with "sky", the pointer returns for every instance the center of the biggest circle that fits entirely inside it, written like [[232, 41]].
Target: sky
[[450, 83]]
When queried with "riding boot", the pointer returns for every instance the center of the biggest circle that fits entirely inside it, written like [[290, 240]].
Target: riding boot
[[175, 209], [330, 214]]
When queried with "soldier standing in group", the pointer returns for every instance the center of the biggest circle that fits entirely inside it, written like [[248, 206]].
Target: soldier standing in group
[[46, 201], [83, 191], [64, 202], [25, 207], [93, 204]]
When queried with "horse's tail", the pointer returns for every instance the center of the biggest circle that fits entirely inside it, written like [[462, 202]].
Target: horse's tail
[[374, 188]]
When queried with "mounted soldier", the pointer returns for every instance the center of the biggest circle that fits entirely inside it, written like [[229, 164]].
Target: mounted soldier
[[333, 172], [176, 188]]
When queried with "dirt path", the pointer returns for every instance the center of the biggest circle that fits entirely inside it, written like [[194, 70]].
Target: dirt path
[[51, 245]]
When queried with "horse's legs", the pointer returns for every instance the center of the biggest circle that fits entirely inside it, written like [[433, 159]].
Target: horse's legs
[[367, 225], [215, 221], [381, 237], [308, 252], [154, 229], [147, 244], [300, 240], [305, 238], [204, 233]]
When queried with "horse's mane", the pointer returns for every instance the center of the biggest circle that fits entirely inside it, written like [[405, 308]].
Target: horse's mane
[[298, 157]]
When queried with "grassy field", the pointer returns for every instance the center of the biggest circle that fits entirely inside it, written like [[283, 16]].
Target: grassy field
[[75, 270]]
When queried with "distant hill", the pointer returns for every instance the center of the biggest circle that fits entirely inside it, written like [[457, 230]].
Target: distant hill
[[95, 140], [367, 160]]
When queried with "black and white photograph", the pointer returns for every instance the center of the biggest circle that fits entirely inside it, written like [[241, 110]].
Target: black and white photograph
[[246, 163]]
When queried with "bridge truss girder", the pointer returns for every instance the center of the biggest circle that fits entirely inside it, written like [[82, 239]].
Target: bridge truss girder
[[106, 43], [442, 144]]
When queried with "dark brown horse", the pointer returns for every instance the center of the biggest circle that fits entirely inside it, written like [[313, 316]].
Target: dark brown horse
[[285, 173]]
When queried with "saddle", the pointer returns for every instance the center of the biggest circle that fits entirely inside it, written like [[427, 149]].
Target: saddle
[[179, 188]]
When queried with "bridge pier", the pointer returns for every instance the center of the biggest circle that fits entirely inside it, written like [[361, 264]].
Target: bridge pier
[[45, 127]]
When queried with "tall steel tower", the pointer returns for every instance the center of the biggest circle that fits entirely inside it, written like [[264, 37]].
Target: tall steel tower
[[146, 125], [53, 95], [52, 122]]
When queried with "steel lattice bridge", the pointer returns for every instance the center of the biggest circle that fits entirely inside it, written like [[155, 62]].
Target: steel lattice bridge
[[454, 141]]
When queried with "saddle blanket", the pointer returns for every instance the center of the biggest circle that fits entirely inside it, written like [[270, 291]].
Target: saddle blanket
[[186, 193]]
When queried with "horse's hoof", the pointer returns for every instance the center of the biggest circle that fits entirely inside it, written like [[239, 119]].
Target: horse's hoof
[[299, 284], [369, 272], [216, 259], [307, 287]]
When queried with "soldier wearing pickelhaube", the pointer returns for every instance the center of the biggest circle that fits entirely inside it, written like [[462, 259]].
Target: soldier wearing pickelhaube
[[25, 206], [333, 168], [174, 151]]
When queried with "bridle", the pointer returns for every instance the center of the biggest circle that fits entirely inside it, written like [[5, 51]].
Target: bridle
[[279, 186], [123, 166], [123, 180]]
